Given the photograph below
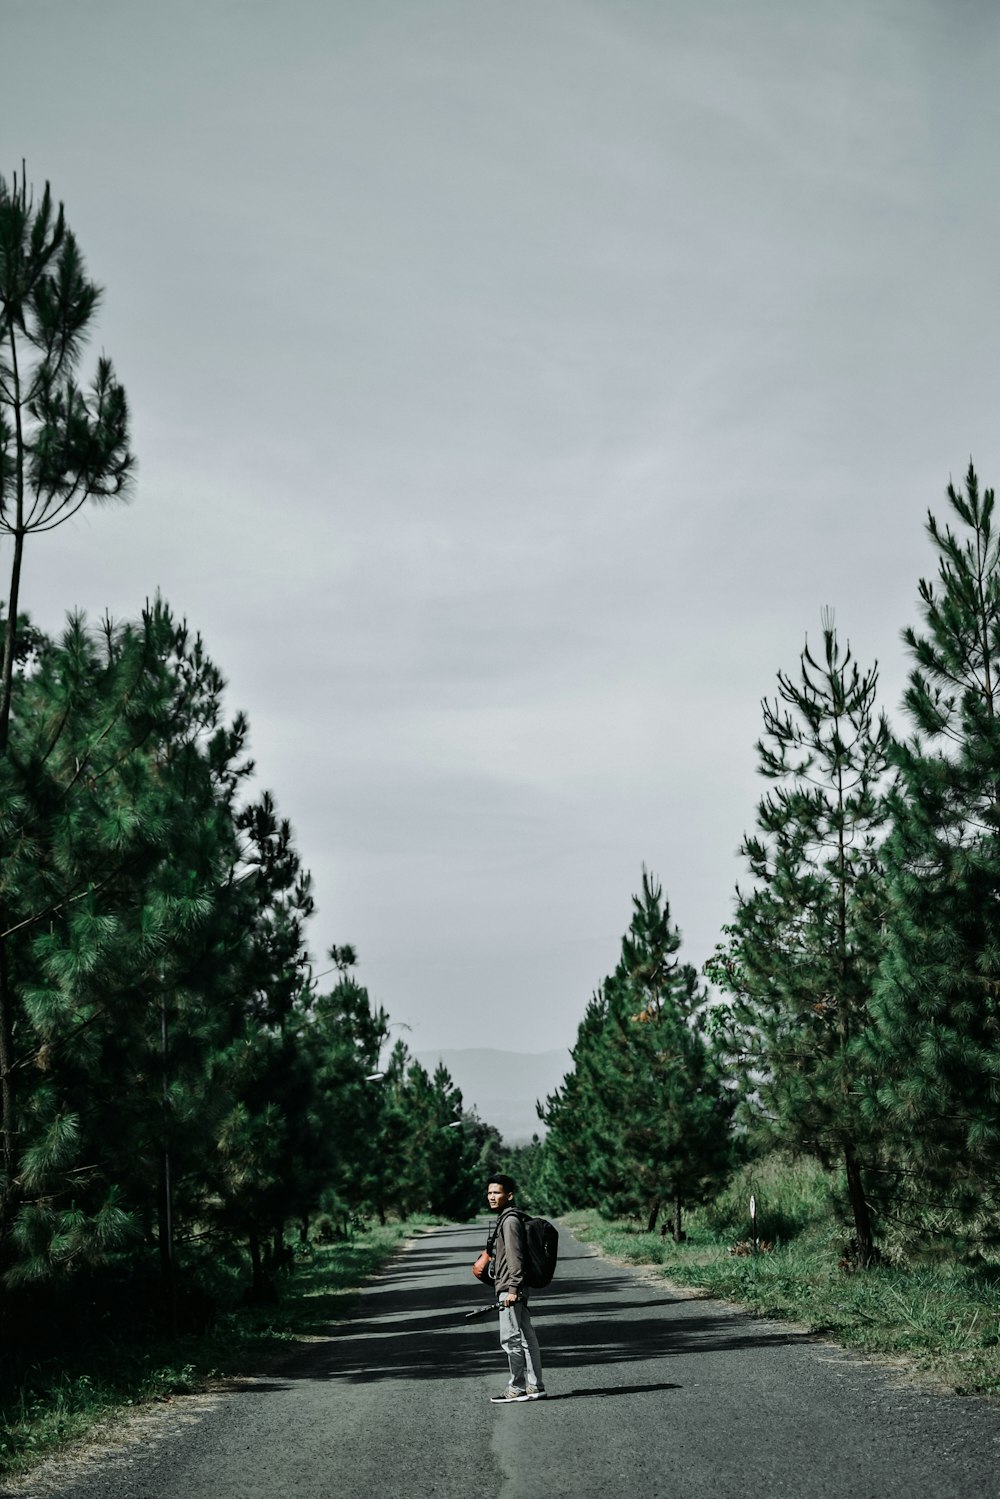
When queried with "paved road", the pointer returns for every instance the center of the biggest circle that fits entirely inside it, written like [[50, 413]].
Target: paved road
[[651, 1395]]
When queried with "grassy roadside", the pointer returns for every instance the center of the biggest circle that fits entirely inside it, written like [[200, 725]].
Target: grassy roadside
[[942, 1321], [61, 1402]]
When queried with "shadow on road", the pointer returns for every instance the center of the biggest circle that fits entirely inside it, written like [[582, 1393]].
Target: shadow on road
[[411, 1323], [614, 1389]]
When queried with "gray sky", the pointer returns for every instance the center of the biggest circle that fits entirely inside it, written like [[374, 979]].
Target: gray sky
[[512, 386]]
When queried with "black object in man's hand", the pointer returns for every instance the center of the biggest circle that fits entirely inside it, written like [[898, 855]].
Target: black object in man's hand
[[482, 1311]]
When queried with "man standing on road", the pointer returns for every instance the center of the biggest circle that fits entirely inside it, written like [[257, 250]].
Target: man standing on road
[[510, 1256]]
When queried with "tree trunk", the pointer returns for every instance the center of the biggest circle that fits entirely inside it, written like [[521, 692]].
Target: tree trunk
[[166, 1184], [6, 1093], [867, 1252], [168, 1278], [256, 1268], [678, 1230], [10, 634], [6, 998], [8, 1185], [654, 1213], [10, 640]]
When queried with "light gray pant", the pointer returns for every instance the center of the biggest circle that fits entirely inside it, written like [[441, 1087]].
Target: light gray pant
[[518, 1341]]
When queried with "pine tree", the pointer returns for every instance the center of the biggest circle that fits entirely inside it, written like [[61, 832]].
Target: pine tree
[[274, 1150], [577, 1168], [116, 832], [60, 446], [118, 826], [804, 947], [645, 1118], [454, 1180], [936, 1046], [343, 1038], [673, 1109]]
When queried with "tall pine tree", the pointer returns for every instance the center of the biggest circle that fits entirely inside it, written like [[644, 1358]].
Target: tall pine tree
[[61, 445], [805, 943], [936, 1045]]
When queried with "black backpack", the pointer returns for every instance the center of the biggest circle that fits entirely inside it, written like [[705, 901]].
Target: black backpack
[[541, 1242]]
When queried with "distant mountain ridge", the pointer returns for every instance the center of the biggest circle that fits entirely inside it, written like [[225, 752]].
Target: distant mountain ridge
[[503, 1086]]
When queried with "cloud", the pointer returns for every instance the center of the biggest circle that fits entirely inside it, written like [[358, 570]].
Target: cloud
[[512, 388]]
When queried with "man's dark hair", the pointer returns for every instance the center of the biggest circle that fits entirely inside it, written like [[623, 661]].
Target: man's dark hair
[[507, 1182]]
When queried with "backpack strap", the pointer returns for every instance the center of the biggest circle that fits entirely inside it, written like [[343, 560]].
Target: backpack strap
[[491, 1241]]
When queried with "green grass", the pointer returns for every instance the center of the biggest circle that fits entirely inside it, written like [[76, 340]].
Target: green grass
[[940, 1320], [64, 1398]]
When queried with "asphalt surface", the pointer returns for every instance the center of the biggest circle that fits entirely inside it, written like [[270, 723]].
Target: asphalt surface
[[650, 1394]]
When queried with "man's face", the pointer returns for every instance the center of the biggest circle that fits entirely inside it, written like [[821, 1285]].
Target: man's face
[[497, 1197]]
